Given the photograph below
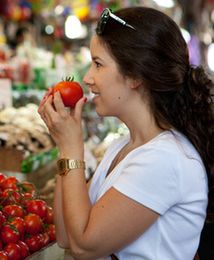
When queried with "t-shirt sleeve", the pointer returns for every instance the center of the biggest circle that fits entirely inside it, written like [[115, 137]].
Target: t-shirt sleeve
[[149, 178]]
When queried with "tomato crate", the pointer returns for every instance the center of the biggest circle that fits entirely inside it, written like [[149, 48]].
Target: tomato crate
[[15, 161], [11, 159], [51, 251]]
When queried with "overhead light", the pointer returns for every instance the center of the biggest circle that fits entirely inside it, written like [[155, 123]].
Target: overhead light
[[49, 29], [74, 28], [59, 9], [165, 3]]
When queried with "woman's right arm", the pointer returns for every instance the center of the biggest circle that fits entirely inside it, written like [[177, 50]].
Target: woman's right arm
[[61, 235]]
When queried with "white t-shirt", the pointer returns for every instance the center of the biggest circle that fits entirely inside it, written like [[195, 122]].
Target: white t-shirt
[[166, 175]]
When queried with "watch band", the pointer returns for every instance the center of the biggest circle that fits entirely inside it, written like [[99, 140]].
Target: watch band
[[65, 165]]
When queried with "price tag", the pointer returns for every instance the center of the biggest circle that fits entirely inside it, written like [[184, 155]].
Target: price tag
[[5, 93]]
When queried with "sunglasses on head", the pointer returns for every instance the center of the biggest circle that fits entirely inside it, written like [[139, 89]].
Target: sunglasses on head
[[106, 14]]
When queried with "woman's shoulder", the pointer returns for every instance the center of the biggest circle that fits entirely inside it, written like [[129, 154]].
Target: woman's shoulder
[[169, 148], [172, 143]]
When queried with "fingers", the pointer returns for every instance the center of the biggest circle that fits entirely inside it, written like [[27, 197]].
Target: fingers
[[52, 107], [63, 111], [46, 110], [58, 103], [47, 94], [78, 108]]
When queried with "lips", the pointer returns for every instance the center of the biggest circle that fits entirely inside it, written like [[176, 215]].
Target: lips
[[93, 94]]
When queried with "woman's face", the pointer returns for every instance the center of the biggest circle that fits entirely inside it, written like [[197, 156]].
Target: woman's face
[[111, 90]]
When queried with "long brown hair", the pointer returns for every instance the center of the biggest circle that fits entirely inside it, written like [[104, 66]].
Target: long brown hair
[[180, 94]]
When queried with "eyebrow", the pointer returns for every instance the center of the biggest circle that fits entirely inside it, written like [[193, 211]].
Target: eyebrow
[[96, 58]]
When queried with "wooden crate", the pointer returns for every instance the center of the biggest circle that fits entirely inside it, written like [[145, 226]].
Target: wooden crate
[[10, 159], [10, 165]]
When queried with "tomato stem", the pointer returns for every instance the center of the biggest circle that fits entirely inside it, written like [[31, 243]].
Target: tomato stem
[[68, 78]]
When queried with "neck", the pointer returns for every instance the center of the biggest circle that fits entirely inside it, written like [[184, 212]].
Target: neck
[[142, 126]]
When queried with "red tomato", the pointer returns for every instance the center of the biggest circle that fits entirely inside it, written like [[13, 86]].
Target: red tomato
[[9, 234], [24, 249], [28, 187], [70, 91], [46, 238], [38, 207], [10, 196], [49, 216], [13, 251], [33, 243], [33, 224], [19, 224], [26, 197], [51, 230], [1, 191], [40, 239], [3, 255], [9, 183], [2, 177], [13, 211], [2, 219]]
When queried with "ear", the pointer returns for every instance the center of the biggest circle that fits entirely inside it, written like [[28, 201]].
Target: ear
[[136, 83]]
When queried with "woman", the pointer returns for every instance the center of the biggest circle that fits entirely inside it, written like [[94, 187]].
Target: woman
[[149, 195]]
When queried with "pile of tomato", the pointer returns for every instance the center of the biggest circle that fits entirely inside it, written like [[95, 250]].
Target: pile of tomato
[[26, 222]]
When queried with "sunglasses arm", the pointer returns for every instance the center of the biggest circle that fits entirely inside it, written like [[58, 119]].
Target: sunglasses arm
[[121, 21]]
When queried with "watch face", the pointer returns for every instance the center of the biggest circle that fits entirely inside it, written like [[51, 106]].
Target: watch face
[[61, 165]]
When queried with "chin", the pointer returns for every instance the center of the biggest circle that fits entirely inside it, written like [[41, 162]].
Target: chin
[[102, 113]]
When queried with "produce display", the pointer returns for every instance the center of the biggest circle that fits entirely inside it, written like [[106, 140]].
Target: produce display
[[24, 133], [26, 221], [23, 129]]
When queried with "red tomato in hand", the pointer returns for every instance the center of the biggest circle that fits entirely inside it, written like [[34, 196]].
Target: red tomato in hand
[[33, 224], [70, 91]]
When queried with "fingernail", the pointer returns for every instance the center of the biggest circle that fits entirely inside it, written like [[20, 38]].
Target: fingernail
[[85, 99]]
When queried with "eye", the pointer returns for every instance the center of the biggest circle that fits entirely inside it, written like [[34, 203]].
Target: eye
[[97, 64]]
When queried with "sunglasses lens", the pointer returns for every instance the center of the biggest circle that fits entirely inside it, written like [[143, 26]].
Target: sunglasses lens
[[102, 22], [104, 19]]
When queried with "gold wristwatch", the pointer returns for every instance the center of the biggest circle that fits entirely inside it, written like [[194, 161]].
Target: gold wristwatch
[[65, 165]]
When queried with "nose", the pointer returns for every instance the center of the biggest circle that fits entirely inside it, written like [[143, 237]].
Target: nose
[[88, 79]]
